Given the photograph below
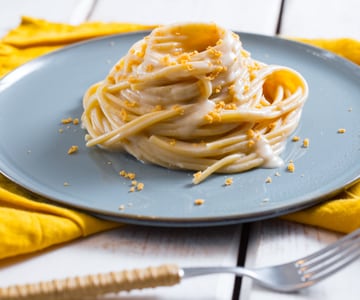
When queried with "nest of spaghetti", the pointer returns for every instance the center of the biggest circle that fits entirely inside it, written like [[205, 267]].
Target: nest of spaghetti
[[189, 96]]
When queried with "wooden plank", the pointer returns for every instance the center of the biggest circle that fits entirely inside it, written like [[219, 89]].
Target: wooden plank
[[135, 247], [81, 11], [321, 18], [57, 11], [275, 241], [70, 11], [252, 16]]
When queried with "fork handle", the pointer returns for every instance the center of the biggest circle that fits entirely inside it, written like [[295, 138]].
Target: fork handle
[[92, 285]]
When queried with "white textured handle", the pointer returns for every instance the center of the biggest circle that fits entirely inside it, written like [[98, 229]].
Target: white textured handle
[[92, 285]]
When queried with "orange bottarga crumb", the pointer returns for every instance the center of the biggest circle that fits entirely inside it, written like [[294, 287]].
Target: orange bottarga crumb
[[306, 143], [73, 149], [199, 202], [67, 120], [140, 186], [149, 68], [291, 167], [131, 176], [228, 181]]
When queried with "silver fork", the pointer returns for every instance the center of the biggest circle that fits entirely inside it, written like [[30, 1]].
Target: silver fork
[[288, 277], [298, 274]]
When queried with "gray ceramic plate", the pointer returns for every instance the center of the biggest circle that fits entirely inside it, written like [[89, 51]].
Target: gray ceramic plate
[[37, 96]]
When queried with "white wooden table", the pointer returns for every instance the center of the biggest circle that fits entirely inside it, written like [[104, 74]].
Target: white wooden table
[[257, 244]]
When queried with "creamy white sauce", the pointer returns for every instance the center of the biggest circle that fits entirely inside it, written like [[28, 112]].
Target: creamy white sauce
[[195, 117], [265, 151]]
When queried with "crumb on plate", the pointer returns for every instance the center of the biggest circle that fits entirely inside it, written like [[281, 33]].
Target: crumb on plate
[[228, 181], [67, 120], [128, 175], [295, 138], [306, 143], [199, 202], [140, 186], [73, 149], [291, 167]]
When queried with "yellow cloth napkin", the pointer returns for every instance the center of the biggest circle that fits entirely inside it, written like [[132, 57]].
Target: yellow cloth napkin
[[28, 223]]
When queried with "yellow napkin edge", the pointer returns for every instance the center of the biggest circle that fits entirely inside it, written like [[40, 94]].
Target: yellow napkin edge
[[348, 48], [29, 225], [340, 214], [86, 223], [30, 32], [35, 37]]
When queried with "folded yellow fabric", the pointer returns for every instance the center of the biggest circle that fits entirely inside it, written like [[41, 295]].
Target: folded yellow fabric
[[28, 223], [339, 214], [34, 37]]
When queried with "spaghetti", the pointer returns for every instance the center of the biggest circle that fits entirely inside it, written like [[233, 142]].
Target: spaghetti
[[188, 96]]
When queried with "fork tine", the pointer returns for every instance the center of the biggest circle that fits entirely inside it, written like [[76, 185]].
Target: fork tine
[[352, 237], [330, 259], [333, 259], [332, 268], [331, 254]]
